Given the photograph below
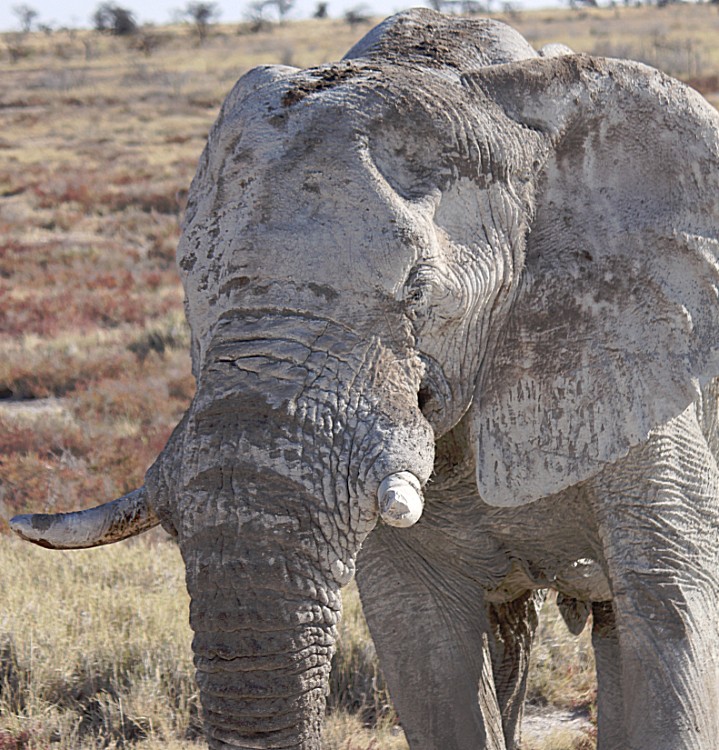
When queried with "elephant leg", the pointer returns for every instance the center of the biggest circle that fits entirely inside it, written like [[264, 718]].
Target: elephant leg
[[611, 734], [431, 633], [658, 521], [513, 626]]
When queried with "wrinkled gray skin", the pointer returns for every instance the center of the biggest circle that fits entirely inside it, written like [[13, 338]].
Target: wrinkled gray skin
[[497, 270]]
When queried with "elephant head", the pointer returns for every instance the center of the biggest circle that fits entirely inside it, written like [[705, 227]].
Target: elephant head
[[444, 227]]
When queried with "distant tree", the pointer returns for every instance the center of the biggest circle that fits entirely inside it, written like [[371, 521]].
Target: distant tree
[[257, 12], [475, 8], [465, 7], [202, 14], [255, 16], [26, 15], [114, 19], [582, 4], [358, 15], [511, 9], [320, 11], [282, 7]]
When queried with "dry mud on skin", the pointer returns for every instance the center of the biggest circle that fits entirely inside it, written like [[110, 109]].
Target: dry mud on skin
[[540, 722]]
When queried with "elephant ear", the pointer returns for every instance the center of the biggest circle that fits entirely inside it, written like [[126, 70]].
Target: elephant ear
[[614, 326]]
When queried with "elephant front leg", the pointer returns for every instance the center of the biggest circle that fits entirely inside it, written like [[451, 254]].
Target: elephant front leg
[[433, 640], [658, 520], [611, 734], [513, 626]]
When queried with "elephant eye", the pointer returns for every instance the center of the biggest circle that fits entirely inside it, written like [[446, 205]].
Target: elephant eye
[[417, 291]]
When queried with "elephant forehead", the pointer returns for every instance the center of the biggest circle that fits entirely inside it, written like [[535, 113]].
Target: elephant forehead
[[301, 199], [424, 121], [431, 39], [328, 217]]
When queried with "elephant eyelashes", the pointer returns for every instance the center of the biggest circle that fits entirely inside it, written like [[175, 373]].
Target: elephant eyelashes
[[418, 290], [415, 301]]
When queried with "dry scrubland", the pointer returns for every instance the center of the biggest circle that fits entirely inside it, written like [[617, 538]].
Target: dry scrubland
[[94, 653], [99, 138]]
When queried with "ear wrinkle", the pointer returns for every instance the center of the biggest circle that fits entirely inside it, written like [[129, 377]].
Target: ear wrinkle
[[614, 325]]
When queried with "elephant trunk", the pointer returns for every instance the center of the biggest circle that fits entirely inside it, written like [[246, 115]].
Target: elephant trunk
[[280, 475], [264, 573], [264, 640]]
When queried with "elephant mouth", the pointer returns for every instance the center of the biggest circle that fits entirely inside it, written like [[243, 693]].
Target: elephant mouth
[[435, 398]]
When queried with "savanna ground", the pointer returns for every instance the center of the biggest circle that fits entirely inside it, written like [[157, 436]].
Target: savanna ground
[[99, 137]]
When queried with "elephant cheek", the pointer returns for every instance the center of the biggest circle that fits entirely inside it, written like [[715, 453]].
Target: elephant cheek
[[263, 644]]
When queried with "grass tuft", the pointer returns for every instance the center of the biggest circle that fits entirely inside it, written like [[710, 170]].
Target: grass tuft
[[562, 739]]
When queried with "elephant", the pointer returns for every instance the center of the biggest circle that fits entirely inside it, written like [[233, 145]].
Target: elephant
[[454, 318]]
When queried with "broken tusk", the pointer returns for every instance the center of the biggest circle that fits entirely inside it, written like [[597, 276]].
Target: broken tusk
[[127, 516], [400, 499]]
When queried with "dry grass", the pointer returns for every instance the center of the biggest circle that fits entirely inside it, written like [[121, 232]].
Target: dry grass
[[345, 731], [95, 652], [678, 39], [99, 142], [562, 739], [561, 666], [95, 646]]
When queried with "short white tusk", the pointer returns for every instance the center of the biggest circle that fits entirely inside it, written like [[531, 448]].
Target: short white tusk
[[127, 516], [400, 499]]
